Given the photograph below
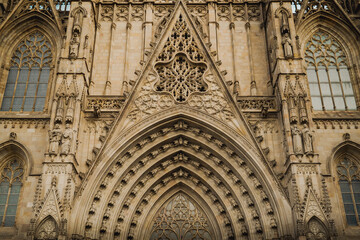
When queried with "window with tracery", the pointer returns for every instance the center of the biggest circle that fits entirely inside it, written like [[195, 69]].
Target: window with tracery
[[349, 181], [10, 185], [181, 64], [29, 74], [328, 74], [181, 219], [316, 230], [47, 230]]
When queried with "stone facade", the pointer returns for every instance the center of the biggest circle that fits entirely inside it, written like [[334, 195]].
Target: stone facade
[[160, 112]]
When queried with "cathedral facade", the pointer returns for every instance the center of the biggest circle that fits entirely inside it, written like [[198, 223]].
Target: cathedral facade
[[179, 119]]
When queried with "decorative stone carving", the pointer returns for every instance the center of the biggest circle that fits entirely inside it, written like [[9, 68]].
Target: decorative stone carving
[[239, 13], [55, 137], [287, 46], [107, 12], [74, 45], [104, 103], [293, 110], [182, 79], [256, 103], [223, 13], [180, 209], [297, 141], [307, 140], [122, 13], [66, 140], [253, 13], [302, 109], [47, 229], [137, 13], [78, 14]]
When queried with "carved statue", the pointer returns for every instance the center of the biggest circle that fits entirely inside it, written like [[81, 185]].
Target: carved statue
[[287, 46], [292, 110], [74, 45], [302, 110], [66, 140], [60, 110], [307, 139], [70, 110], [297, 142], [55, 136]]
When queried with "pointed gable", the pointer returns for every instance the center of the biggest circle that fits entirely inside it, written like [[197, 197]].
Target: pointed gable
[[180, 73]]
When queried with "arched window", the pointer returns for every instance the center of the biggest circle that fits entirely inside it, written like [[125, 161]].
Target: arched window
[[10, 185], [349, 181], [328, 74], [29, 73], [47, 230], [316, 230]]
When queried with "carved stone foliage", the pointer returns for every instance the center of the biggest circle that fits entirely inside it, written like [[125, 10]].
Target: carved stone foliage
[[104, 103], [256, 103], [150, 172], [168, 221]]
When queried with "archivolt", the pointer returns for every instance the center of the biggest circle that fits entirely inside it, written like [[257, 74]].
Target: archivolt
[[180, 152]]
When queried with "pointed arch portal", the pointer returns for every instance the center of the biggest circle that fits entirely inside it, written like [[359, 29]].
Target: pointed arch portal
[[190, 147]]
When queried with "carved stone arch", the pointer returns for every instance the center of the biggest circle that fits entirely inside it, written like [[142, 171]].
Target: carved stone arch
[[14, 149], [316, 229], [77, 9], [220, 208], [280, 10], [135, 181], [344, 35], [124, 152], [166, 167], [350, 152], [48, 229], [345, 148]]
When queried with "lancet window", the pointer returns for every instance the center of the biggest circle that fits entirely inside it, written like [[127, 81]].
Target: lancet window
[[10, 184], [328, 74], [349, 181], [29, 74]]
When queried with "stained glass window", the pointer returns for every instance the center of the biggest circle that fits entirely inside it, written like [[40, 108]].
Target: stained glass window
[[10, 185], [328, 74], [29, 73], [349, 181], [181, 219]]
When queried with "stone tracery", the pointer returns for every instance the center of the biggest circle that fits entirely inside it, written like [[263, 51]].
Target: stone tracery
[[180, 218]]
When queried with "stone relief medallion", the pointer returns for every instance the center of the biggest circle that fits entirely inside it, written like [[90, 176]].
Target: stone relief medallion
[[180, 76]]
